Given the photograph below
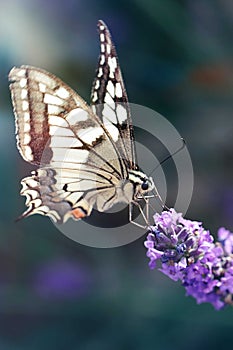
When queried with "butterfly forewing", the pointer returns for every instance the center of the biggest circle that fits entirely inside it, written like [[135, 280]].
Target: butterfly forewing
[[109, 98], [50, 115]]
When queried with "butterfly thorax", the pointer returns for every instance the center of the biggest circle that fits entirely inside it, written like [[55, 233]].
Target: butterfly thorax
[[124, 191]]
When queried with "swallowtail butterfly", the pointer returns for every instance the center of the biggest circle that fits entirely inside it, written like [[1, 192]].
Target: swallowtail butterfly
[[85, 155]]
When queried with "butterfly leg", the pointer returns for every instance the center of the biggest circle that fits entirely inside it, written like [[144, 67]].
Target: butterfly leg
[[147, 198], [147, 208], [141, 211], [156, 194]]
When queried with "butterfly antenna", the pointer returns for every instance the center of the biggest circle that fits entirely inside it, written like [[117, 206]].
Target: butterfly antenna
[[161, 202], [155, 191], [170, 155]]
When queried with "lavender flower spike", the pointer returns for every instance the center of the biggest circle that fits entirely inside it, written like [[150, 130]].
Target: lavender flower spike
[[187, 252]]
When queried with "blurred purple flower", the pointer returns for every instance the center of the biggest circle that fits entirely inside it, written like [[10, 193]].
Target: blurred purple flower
[[187, 252], [61, 279]]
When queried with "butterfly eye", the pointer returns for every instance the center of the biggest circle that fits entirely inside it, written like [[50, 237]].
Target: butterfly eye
[[145, 185]]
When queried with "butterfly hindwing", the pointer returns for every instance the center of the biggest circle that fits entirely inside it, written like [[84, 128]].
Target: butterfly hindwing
[[46, 196]]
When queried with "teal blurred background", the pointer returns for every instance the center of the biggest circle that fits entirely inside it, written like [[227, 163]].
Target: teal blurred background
[[176, 57]]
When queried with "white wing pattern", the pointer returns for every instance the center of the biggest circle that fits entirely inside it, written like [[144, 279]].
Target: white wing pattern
[[85, 155]]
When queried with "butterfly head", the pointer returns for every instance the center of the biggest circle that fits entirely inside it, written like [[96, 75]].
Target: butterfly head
[[143, 184], [147, 184]]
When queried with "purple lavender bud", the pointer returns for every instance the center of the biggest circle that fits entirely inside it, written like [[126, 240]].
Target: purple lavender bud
[[164, 258], [191, 242], [182, 234], [159, 235], [181, 248]]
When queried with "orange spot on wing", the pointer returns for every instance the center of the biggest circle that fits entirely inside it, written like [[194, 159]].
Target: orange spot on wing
[[78, 213]]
